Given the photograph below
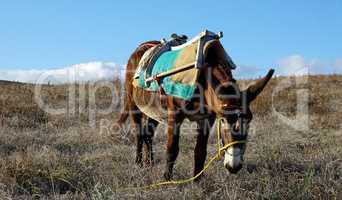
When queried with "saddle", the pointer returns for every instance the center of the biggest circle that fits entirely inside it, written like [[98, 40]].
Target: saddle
[[150, 56], [173, 66]]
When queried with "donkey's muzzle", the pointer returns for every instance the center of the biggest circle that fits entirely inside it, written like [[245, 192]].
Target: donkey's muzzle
[[233, 159], [234, 170]]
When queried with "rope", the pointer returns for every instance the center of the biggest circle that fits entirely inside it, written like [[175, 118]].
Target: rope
[[178, 182]]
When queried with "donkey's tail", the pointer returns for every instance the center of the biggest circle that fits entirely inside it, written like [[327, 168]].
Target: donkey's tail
[[124, 113], [132, 64]]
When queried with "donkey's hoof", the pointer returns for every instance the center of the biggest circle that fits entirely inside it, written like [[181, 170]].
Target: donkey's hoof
[[167, 176], [149, 164], [198, 179], [139, 162]]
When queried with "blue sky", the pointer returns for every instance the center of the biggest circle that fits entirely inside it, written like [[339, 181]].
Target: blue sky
[[45, 35]]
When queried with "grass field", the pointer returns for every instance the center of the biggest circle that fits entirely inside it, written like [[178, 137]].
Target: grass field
[[77, 154]]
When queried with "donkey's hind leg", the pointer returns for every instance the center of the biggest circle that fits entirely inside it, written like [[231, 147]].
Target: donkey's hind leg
[[137, 130], [149, 129]]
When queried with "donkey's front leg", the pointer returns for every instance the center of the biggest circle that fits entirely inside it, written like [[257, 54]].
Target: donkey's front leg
[[204, 127], [173, 130]]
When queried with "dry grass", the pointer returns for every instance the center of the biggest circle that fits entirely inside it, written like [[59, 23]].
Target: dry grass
[[60, 156]]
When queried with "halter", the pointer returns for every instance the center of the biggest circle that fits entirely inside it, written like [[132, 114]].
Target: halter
[[221, 149]]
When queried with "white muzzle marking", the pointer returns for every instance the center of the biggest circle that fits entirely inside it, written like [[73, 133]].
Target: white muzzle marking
[[232, 157]]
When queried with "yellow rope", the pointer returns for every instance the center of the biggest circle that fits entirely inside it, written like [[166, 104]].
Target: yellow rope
[[177, 182]]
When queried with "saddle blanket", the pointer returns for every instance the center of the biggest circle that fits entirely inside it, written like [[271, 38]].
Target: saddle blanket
[[181, 84]]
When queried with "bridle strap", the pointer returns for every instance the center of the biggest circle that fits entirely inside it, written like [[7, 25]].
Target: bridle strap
[[221, 149]]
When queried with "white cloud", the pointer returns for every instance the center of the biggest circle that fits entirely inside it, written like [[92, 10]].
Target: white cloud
[[248, 71], [293, 65], [80, 72], [298, 65]]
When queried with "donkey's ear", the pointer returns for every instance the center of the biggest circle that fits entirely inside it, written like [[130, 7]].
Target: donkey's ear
[[255, 89]]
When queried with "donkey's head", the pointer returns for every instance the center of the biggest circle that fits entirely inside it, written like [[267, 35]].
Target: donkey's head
[[235, 116], [232, 109]]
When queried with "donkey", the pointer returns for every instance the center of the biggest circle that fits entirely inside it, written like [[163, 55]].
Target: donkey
[[217, 97]]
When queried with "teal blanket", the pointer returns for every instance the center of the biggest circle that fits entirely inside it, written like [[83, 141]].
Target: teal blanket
[[164, 63]]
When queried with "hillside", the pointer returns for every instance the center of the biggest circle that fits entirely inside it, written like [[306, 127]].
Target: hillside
[[77, 153]]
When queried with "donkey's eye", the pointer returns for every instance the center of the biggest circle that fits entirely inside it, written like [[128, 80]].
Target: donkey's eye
[[222, 94], [232, 118], [227, 91]]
